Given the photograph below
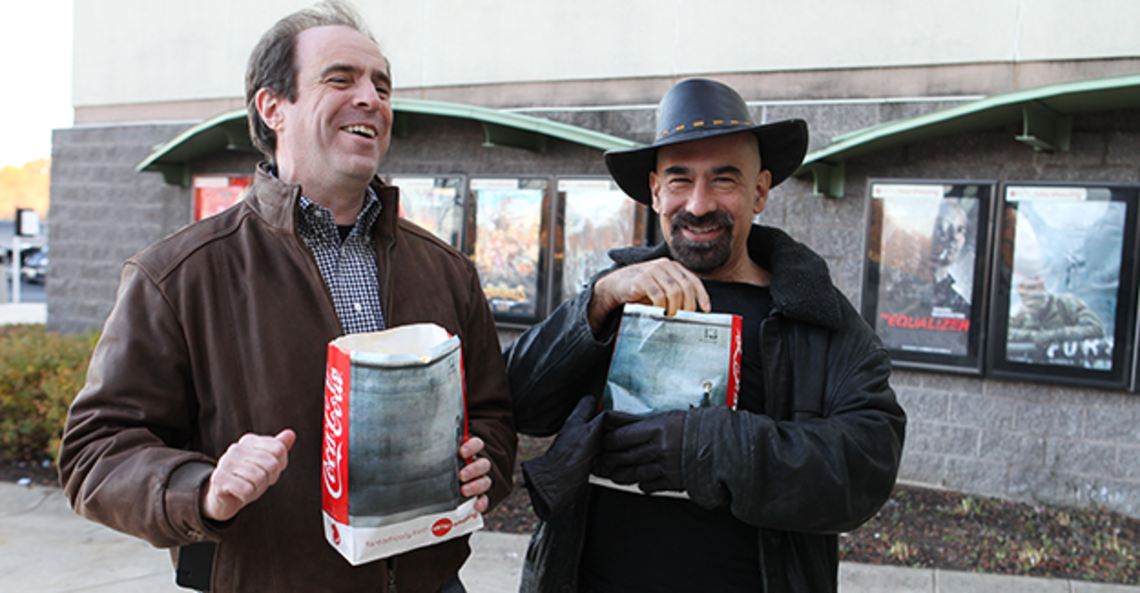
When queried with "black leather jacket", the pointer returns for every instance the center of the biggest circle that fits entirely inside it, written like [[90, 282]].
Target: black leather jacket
[[822, 460]]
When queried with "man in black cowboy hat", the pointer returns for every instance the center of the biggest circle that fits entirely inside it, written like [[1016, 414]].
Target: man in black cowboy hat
[[813, 447]]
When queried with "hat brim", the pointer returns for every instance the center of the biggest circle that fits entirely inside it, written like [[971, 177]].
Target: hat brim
[[783, 145]]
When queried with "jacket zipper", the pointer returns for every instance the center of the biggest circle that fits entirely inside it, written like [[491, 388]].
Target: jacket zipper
[[391, 574]]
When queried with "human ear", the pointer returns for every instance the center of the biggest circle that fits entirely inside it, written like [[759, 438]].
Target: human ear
[[763, 183], [655, 189], [269, 107]]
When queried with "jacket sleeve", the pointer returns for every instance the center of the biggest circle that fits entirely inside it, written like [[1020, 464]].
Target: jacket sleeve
[[555, 363], [488, 399], [123, 458], [820, 473]]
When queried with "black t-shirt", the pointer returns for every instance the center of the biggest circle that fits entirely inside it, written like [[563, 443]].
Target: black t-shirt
[[661, 544]]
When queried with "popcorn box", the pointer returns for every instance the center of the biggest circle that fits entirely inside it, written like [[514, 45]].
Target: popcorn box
[[395, 415]]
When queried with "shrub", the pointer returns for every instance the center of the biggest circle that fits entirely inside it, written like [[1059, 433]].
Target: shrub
[[40, 374]]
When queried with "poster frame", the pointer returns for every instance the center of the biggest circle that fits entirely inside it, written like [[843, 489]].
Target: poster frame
[[1121, 376], [560, 237], [896, 328], [539, 277], [214, 192], [458, 181]]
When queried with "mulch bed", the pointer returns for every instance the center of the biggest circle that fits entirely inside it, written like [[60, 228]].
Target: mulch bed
[[31, 472], [926, 528], [917, 527]]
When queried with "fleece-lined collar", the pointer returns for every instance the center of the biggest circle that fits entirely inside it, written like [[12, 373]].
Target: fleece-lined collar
[[801, 283]]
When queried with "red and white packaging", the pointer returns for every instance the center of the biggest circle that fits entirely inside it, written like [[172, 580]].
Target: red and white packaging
[[395, 415], [662, 363]]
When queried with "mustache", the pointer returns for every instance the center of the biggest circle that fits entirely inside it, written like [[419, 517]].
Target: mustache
[[688, 219]]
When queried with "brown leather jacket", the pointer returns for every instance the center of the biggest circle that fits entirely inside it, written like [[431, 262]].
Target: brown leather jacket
[[221, 329]]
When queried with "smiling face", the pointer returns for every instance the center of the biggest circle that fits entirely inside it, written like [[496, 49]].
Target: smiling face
[[706, 193], [337, 131]]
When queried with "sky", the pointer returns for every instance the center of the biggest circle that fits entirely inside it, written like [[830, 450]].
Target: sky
[[35, 65]]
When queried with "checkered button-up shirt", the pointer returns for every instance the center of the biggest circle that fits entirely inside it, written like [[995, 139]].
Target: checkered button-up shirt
[[348, 267]]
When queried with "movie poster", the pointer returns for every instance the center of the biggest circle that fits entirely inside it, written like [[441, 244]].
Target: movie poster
[[1065, 277], [925, 242], [508, 222], [214, 193], [598, 217], [435, 203]]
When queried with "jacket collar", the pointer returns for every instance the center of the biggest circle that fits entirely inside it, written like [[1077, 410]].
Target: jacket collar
[[801, 283], [277, 200]]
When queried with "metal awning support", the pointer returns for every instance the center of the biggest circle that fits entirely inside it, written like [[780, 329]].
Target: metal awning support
[[496, 135], [828, 179], [1044, 129]]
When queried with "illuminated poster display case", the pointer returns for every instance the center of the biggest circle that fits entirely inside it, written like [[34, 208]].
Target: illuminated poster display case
[[434, 203], [214, 193], [594, 216], [1064, 303], [508, 222], [925, 270]]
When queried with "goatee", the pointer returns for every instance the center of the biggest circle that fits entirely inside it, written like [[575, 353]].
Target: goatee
[[701, 257]]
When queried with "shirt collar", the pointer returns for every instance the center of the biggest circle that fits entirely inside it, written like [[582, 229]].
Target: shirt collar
[[315, 213]]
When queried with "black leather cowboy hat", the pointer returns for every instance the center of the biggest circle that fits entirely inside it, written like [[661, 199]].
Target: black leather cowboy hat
[[698, 108]]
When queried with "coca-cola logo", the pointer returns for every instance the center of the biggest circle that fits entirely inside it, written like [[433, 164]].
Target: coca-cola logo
[[336, 535], [334, 427], [441, 527]]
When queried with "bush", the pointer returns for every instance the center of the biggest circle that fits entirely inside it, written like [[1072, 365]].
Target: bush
[[40, 374]]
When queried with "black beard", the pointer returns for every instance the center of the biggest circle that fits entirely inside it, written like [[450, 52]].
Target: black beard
[[701, 257]]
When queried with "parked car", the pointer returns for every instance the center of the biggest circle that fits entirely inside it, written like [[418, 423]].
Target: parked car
[[34, 268]]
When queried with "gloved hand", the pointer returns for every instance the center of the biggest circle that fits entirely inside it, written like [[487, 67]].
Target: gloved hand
[[557, 478], [644, 451]]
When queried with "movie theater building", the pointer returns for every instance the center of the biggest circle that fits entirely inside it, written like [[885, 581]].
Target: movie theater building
[[971, 165]]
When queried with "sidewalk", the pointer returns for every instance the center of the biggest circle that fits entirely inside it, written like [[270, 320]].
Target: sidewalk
[[22, 313], [45, 547]]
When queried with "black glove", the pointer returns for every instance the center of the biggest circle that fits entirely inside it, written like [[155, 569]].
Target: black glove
[[557, 478], [644, 451]]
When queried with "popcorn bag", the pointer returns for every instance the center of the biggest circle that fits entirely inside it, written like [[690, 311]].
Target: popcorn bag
[[395, 415], [660, 363]]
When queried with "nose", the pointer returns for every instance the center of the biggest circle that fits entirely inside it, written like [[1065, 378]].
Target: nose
[[700, 201], [366, 96]]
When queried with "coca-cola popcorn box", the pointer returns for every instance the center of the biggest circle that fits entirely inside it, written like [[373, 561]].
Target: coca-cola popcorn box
[[395, 415]]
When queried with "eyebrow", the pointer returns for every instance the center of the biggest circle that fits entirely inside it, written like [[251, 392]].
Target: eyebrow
[[676, 170], [727, 169], [684, 170]]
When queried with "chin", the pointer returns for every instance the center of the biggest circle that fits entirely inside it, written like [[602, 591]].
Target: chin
[[701, 258]]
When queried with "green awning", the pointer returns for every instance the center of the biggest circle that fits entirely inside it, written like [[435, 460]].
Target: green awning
[[230, 131], [1045, 114]]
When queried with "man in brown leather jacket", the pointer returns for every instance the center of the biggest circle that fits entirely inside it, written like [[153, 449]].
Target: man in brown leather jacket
[[200, 426]]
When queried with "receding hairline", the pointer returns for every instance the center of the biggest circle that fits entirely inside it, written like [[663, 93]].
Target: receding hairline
[[344, 66]]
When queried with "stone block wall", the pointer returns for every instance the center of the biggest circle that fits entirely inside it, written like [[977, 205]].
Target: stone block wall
[[102, 212]]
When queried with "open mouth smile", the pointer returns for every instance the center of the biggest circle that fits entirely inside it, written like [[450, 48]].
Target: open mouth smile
[[361, 130], [699, 233]]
